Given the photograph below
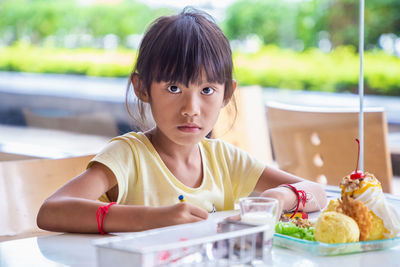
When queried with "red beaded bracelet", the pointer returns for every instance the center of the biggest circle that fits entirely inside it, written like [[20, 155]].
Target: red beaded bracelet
[[301, 196], [101, 212]]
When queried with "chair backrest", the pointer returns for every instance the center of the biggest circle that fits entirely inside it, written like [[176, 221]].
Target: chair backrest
[[249, 130], [319, 143], [25, 184]]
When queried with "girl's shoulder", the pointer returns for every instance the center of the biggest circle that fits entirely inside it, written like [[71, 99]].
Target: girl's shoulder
[[132, 138], [218, 144]]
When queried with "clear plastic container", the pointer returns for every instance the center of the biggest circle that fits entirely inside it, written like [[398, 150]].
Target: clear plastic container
[[207, 243]]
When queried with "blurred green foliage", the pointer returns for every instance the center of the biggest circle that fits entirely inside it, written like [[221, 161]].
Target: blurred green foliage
[[270, 67], [291, 24], [287, 22], [38, 19], [317, 71], [84, 61], [295, 25]]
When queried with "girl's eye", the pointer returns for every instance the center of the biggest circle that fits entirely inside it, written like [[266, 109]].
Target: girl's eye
[[174, 89], [207, 91]]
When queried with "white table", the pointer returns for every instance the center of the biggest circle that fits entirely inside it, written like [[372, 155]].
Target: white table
[[77, 250], [17, 142]]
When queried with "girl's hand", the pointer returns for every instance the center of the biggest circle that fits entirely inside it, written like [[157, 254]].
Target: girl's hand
[[286, 198], [179, 213]]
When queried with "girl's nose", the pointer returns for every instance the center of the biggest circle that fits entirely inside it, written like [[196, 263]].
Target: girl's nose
[[190, 106]]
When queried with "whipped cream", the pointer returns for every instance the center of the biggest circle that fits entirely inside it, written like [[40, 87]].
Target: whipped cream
[[371, 195]]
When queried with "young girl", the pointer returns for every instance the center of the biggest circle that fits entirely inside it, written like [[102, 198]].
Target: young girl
[[184, 73]]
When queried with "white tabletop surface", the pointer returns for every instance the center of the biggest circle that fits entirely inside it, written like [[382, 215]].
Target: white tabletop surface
[[78, 250]]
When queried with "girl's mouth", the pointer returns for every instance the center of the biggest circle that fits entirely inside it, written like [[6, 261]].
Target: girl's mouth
[[189, 128]]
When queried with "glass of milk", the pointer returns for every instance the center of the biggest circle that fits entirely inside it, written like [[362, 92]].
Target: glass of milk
[[260, 210]]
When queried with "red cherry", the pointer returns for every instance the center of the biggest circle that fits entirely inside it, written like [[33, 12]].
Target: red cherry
[[357, 174]]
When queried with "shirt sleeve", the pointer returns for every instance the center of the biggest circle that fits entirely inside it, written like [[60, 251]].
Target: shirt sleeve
[[118, 157], [245, 170]]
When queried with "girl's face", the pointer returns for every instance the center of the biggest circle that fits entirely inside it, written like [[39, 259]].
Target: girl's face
[[183, 114]]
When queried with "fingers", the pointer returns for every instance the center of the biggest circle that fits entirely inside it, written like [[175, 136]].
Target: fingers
[[190, 213], [234, 218], [179, 213], [199, 212]]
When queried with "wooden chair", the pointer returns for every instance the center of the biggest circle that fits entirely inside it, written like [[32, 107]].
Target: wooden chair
[[25, 184], [248, 130], [319, 143]]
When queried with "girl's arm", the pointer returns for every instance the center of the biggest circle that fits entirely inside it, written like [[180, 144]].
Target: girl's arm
[[74, 206], [271, 178]]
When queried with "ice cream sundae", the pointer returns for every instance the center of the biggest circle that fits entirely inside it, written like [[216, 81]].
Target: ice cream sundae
[[363, 200]]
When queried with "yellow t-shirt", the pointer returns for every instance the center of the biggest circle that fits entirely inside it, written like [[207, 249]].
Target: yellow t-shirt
[[143, 179]]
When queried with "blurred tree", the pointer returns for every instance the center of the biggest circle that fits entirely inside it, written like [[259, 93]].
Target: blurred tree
[[123, 19], [268, 19], [289, 23], [37, 19], [384, 17], [293, 24], [341, 20]]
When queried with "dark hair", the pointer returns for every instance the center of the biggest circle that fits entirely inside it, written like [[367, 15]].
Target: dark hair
[[178, 49]]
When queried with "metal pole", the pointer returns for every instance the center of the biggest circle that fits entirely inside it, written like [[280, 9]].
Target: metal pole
[[361, 84]]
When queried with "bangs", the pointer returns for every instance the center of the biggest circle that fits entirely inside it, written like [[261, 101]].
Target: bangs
[[184, 51]]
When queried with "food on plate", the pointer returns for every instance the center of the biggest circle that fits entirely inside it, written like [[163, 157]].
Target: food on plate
[[362, 212], [359, 212], [334, 227], [303, 230], [332, 205], [362, 199]]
